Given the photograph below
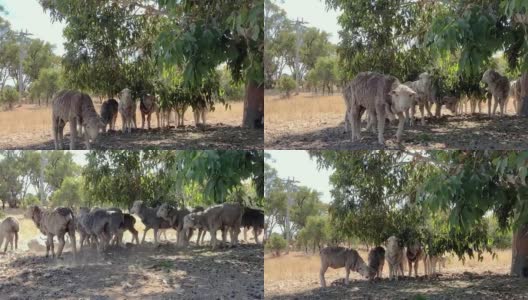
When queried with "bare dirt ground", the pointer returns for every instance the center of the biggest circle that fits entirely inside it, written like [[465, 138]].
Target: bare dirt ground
[[316, 122], [137, 272], [29, 127], [296, 276]]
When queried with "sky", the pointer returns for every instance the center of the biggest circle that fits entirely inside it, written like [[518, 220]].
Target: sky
[[28, 14], [315, 13], [297, 164]]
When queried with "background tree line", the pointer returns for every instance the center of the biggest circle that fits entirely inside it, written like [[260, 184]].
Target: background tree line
[[118, 178], [171, 48], [317, 56], [454, 40]]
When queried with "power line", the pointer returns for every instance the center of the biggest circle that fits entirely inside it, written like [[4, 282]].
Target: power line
[[299, 29]]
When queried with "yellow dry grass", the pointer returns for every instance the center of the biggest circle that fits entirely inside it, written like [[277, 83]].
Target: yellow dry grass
[[34, 119], [302, 271], [302, 107]]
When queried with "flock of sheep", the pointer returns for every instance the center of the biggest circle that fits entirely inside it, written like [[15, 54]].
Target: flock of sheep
[[383, 96], [100, 227], [77, 108], [395, 255]]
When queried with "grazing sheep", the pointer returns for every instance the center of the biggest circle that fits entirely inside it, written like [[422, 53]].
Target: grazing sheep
[[227, 216], [109, 110], [432, 261], [376, 260], [149, 217], [499, 87], [9, 231], [451, 103], [394, 256], [414, 254], [341, 257], [373, 92], [253, 218], [174, 217], [52, 223], [78, 109], [127, 109], [97, 223], [147, 106]]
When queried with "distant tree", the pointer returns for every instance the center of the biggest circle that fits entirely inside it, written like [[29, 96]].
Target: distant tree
[[9, 96], [69, 194], [326, 72], [286, 85], [276, 243], [48, 83]]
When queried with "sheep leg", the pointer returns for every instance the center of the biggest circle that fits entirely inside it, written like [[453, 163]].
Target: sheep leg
[[347, 277], [142, 121], [73, 132], [50, 237], [401, 123], [47, 247], [55, 128], [73, 243], [322, 272], [212, 232], [156, 236], [60, 237], [16, 240], [422, 113], [380, 113], [144, 233]]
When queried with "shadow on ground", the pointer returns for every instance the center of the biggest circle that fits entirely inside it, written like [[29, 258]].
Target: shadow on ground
[[145, 271], [471, 132], [218, 136], [454, 286]]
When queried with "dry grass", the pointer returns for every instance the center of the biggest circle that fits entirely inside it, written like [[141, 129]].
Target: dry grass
[[34, 119], [301, 271], [301, 107]]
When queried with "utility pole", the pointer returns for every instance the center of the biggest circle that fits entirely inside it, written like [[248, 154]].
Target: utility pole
[[299, 29], [290, 189], [43, 163], [22, 40]]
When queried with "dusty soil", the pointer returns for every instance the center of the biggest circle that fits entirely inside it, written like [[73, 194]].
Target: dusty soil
[[467, 285], [311, 122], [137, 272], [217, 136]]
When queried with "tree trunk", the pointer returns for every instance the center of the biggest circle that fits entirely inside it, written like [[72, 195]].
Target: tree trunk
[[519, 265], [523, 110], [254, 106]]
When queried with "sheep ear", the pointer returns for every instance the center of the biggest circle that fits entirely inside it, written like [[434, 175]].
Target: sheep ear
[[392, 93]]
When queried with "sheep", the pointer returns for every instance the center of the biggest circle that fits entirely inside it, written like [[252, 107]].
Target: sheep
[[149, 218], [54, 223], [341, 257], [116, 226], [422, 100], [376, 260], [109, 110], [97, 223], [394, 256], [128, 224], [9, 231], [147, 106], [127, 109], [499, 87], [253, 218], [373, 92], [174, 217], [414, 254], [224, 216], [78, 109]]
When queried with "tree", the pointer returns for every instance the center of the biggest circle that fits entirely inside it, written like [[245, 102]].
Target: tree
[[69, 194], [276, 243], [287, 84], [47, 84], [9, 96], [326, 72]]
